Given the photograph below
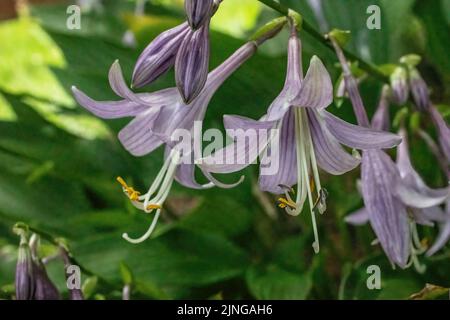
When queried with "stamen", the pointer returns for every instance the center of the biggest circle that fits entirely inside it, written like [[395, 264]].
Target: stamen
[[147, 234], [132, 194], [283, 203]]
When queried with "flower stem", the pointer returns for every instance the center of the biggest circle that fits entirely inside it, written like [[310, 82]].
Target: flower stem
[[366, 66]]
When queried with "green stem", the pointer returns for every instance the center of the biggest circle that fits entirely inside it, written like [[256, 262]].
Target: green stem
[[366, 66]]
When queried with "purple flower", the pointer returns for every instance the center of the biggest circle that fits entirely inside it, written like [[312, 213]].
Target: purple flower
[[395, 197], [192, 63], [198, 11], [44, 287], [309, 137], [157, 118], [25, 283], [159, 56], [443, 131], [399, 85], [419, 90], [74, 293]]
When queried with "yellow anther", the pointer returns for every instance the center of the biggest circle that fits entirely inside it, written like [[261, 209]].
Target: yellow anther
[[312, 185], [132, 194], [153, 207], [283, 203]]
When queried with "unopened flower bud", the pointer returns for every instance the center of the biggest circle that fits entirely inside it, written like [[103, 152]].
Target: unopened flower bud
[[399, 85], [44, 287], [159, 56], [419, 90], [24, 272], [192, 64], [74, 293]]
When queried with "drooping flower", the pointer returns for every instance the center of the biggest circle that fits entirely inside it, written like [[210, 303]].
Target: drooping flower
[[157, 118], [395, 198], [443, 131], [309, 138], [419, 90], [45, 289]]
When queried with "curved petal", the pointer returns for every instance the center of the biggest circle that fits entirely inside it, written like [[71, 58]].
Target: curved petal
[[293, 82], [118, 85], [185, 175], [442, 239], [317, 88], [108, 109], [137, 137], [330, 155], [286, 174], [443, 130], [243, 151], [359, 137], [416, 199], [358, 218], [387, 214]]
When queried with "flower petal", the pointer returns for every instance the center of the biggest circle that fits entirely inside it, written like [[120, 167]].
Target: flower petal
[[108, 109], [387, 214], [137, 137], [416, 199], [443, 130], [442, 239], [292, 85], [119, 86], [286, 174], [243, 151], [198, 11], [317, 88], [358, 218], [330, 155], [359, 137]]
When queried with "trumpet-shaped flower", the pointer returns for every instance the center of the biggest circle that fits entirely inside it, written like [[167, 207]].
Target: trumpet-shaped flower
[[309, 137], [157, 117], [396, 198]]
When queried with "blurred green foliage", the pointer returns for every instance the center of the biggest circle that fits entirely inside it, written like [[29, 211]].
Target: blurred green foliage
[[58, 163]]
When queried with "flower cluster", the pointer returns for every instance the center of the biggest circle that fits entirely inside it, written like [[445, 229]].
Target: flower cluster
[[307, 137]]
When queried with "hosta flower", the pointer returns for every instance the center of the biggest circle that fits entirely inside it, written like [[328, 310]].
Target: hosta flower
[[198, 11], [45, 289], [185, 46], [309, 138], [159, 56], [399, 85], [419, 90], [157, 118], [192, 62], [74, 293], [25, 282], [395, 197], [443, 131]]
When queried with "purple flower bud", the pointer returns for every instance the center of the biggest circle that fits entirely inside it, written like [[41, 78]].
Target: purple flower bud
[[44, 287], [399, 85], [191, 66], [159, 56], [198, 12], [24, 272], [419, 90], [75, 294]]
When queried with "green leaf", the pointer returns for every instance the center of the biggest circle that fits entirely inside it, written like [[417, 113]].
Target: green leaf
[[273, 282]]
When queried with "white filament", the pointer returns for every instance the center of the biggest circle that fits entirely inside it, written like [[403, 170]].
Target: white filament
[[163, 183]]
